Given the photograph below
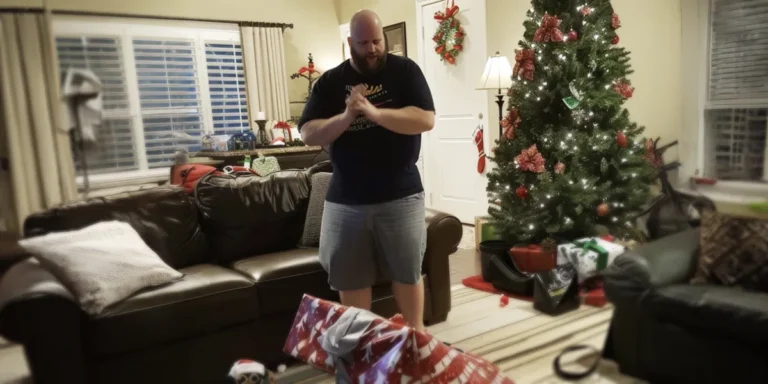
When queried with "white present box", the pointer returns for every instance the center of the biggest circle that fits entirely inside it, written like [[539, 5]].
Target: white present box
[[589, 255]]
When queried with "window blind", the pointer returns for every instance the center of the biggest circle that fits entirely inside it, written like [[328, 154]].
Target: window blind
[[739, 53], [226, 82], [114, 150], [738, 90], [169, 96]]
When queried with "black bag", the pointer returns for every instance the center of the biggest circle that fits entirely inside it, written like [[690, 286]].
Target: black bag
[[557, 291]]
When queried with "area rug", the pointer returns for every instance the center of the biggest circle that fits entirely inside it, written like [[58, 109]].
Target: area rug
[[594, 297]]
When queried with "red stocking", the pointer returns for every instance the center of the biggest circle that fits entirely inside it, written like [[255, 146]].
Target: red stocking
[[481, 153]]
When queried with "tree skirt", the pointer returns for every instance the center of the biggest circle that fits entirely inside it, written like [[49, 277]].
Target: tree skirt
[[594, 297]]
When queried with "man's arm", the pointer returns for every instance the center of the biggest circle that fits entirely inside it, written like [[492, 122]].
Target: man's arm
[[322, 132], [406, 121]]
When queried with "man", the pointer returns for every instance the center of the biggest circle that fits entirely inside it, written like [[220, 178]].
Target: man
[[371, 111]]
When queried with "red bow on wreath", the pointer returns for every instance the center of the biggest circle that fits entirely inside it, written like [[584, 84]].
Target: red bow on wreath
[[448, 13], [549, 30], [524, 64]]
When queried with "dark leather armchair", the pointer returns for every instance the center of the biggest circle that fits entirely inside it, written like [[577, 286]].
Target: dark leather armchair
[[666, 330]]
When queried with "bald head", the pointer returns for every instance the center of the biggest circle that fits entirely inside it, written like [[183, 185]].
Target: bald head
[[366, 42], [365, 19]]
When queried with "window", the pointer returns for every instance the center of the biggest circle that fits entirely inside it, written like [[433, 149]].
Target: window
[[164, 88], [736, 108]]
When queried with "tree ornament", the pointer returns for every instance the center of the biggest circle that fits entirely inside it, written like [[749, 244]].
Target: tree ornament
[[621, 139], [559, 168], [603, 210], [586, 11], [615, 40], [510, 123], [530, 160], [623, 89], [521, 192], [650, 154], [449, 37], [478, 136], [549, 31], [615, 22], [524, 64], [573, 36]]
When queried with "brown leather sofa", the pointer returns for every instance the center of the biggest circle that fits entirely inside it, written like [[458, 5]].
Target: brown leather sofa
[[235, 240]]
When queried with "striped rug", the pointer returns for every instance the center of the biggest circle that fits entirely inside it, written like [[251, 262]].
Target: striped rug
[[518, 339]]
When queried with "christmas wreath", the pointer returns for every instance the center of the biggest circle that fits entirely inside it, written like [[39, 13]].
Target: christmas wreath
[[449, 37]]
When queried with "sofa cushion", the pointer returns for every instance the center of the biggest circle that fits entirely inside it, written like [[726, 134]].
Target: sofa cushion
[[714, 310], [282, 278], [310, 237], [102, 264], [165, 218], [245, 215], [207, 299]]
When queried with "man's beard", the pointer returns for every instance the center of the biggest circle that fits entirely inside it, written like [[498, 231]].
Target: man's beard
[[361, 62]]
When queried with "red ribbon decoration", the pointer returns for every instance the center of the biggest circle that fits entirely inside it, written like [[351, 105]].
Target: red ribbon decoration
[[524, 64], [615, 22], [448, 13], [440, 49], [623, 89], [510, 123], [549, 31]]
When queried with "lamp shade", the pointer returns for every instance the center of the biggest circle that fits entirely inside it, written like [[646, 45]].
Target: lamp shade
[[497, 73]]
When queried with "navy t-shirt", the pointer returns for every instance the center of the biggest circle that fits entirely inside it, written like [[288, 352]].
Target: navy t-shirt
[[371, 164]]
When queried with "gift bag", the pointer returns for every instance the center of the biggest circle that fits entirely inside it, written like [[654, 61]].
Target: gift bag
[[556, 291], [361, 347], [589, 256], [264, 166]]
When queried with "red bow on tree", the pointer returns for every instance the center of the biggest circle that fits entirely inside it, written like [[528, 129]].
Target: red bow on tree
[[448, 13], [615, 22], [510, 123], [524, 64], [530, 160], [623, 89], [549, 30]]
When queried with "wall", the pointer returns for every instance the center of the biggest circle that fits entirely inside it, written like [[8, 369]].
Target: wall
[[315, 23], [390, 11], [655, 56]]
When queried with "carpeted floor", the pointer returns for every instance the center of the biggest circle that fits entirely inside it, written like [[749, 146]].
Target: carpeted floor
[[521, 341]]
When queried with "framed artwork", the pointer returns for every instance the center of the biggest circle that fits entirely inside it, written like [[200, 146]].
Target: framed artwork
[[395, 39]]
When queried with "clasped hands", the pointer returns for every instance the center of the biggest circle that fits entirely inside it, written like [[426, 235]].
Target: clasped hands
[[358, 104]]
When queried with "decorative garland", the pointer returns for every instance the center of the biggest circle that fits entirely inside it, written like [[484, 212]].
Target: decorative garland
[[449, 37]]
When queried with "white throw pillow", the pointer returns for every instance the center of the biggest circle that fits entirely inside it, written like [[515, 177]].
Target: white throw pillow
[[101, 264]]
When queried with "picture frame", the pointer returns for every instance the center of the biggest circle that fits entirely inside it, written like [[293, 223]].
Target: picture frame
[[395, 38]]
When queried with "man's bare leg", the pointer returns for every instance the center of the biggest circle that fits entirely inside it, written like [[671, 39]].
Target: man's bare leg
[[410, 299], [359, 298]]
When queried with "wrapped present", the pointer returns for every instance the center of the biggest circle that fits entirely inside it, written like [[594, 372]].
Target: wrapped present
[[533, 259], [361, 347], [589, 256]]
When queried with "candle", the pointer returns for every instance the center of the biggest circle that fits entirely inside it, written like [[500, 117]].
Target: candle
[[260, 116]]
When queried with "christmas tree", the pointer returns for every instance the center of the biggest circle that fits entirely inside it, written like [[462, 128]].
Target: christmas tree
[[570, 159]]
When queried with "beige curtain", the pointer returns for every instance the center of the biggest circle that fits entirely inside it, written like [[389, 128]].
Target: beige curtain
[[266, 76], [37, 168]]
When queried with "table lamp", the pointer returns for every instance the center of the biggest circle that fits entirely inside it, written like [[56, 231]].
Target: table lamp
[[497, 76]]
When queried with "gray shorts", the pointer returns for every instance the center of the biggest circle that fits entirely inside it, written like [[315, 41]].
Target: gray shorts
[[360, 243]]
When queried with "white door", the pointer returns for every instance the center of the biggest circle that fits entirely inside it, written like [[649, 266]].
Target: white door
[[452, 182]]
